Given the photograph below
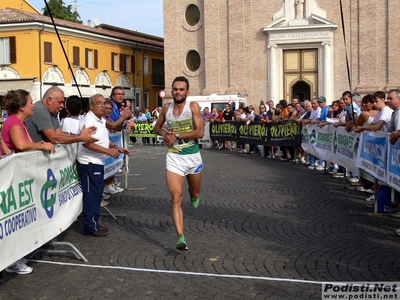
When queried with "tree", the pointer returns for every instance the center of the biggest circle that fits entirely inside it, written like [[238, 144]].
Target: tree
[[59, 11]]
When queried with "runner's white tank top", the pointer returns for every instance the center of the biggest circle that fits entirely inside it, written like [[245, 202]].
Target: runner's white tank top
[[182, 123]]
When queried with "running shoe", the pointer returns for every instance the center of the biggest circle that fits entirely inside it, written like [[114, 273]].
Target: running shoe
[[195, 202], [181, 244], [370, 201], [19, 267], [332, 170], [109, 189], [337, 175]]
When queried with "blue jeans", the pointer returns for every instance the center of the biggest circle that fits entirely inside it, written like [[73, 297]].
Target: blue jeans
[[312, 160]]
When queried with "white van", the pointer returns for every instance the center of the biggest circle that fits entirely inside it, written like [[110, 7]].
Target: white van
[[218, 101]]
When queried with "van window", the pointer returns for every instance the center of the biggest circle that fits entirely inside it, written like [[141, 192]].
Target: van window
[[220, 106], [242, 104]]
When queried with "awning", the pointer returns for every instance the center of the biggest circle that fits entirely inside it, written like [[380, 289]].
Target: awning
[[129, 94], [85, 91], [105, 92], [15, 84]]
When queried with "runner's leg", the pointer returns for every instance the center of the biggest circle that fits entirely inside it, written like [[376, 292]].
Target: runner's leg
[[175, 184]]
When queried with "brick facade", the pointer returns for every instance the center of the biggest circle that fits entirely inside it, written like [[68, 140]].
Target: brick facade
[[234, 49]]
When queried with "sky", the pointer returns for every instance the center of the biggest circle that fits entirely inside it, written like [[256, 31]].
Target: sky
[[145, 16]]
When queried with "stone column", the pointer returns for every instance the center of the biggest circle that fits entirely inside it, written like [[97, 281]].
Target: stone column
[[273, 93], [328, 78]]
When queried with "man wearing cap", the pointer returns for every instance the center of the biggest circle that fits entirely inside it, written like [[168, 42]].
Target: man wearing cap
[[324, 110], [321, 120]]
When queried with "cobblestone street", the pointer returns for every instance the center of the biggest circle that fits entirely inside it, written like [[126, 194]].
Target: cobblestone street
[[265, 229]]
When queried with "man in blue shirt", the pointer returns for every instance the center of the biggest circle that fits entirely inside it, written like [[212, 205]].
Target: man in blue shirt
[[322, 118], [324, 108]]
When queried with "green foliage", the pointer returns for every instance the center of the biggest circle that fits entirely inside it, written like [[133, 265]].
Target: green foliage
[[59, 11]]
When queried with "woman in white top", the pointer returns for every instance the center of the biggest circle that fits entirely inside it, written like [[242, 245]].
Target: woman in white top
[[368, 112]]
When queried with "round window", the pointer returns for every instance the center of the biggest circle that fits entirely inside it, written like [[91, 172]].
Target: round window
[[193, 60], [192, 15]]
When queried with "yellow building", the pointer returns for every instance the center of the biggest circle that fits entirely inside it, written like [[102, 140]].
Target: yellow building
[[82, 60]]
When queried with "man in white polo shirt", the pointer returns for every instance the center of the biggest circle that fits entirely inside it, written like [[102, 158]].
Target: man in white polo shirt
[[91, 159]]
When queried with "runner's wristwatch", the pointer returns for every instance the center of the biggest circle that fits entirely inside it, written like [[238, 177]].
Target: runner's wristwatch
[[177, 135]]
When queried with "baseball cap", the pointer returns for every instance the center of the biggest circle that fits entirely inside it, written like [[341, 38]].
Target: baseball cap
[[321, 99]]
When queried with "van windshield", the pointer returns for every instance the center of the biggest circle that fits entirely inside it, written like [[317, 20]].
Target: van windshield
[[220, 105]]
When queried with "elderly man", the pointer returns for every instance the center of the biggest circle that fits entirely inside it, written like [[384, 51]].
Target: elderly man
[[206, 116], [315, 115], [45, 126], [91, 159]]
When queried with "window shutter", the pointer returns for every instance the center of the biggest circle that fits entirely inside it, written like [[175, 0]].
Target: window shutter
[[86, 58], [122, 62], [13, 50], [96, 64], [112, 61], [48, 52], [76, 61]]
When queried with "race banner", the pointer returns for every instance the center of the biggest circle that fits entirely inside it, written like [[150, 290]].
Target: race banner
[[256, 133], [345, 145], [253, 133], [282, 134], [320, 141], [305, 138], [393, 169], [113, 165], [40, 197], [372, 154], [223, 131], [144, 129]]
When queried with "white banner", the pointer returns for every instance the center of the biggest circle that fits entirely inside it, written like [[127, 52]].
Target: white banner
[[113, 165], [319, 142], [40, 197], [393, 166], [345, 145], [372, 155]]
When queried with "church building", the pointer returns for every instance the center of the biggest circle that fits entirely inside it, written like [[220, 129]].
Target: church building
[[280, 49]]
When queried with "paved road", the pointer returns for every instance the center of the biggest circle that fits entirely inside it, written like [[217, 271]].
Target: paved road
[[265, 229]]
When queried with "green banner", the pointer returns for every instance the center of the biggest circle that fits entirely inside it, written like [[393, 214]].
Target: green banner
[[143, 130]]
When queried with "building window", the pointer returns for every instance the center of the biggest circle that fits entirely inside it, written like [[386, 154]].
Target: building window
[[146, 100], [157, 76], [114, 61], [75, 56], [192, 15], [8, 53], [145, 65], [48, 52], [91, 58], [128, 64], [193, 60], [138, 100]]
